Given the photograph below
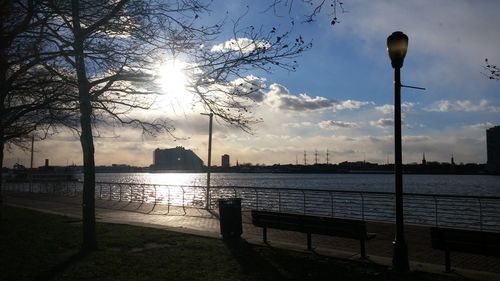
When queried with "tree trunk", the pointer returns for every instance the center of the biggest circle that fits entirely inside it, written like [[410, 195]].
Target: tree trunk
[[88, 204], [3, 95], [1, 175], [86, 138]]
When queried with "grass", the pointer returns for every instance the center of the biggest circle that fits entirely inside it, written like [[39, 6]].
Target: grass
[[39, 246]]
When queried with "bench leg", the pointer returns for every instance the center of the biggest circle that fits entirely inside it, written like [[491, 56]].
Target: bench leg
[[264, 234], [363, 249], [447, 260], [309, 242]]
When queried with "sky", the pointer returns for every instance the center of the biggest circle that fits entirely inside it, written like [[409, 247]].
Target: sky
[[340, 98]]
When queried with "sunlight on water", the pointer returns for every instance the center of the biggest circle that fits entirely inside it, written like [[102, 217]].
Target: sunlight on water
[[429, 184]]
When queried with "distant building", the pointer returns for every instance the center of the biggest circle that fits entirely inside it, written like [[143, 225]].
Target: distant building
[[177, 158], [225, 161], [424, 162], [493, 149]]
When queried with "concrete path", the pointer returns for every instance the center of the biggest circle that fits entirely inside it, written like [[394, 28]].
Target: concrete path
[[206, 223]]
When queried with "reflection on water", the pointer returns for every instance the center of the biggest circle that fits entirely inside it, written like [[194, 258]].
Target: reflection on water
[[429, 184]]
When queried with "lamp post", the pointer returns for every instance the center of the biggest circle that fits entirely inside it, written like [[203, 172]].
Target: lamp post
[[210, 115], [397, 45]]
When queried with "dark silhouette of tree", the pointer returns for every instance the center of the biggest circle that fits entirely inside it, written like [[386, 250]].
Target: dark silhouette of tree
[[107, 50], [28, 93], [491, 71], [314, 8]]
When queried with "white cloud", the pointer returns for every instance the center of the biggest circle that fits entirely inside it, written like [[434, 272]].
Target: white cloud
[[480, 126], [463, 105], [244, 45], [297, 125], [382, 123], [351, 104], [330, 124], [250, 86], [388, 109], [385, 109], [279, 97]]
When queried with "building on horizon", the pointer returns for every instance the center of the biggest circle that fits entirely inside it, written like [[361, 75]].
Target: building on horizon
[[493, 149], [225, 161], [177, 158]]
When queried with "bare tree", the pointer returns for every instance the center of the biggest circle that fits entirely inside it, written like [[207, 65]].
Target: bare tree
[[108, 49], [27, 91], [491, 71], [314, 8]]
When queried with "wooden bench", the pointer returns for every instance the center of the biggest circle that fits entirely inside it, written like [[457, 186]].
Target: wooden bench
[[346, 228], [465, 241]]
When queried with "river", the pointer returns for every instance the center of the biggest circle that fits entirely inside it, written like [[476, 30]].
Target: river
[[477, 185]]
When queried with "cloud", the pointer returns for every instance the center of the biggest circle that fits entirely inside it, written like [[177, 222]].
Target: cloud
[[385, 109], [250, 86], [463, 106], [244, 45], [351, 104], [416, 139], [330, 124], [297, 125], [382, 123], [480, 126], [279, 97], [388, 109]]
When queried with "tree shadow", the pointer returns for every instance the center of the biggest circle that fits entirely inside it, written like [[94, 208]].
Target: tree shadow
[[251, 261], [53, 272]]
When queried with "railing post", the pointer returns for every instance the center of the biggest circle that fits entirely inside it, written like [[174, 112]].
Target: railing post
[[304, 201], [331, 203], [111, 192], [362, 207], [435, 209], [279, 201], [168, 200], [183, 205], [256, 198], [480, 215], [120, 196]]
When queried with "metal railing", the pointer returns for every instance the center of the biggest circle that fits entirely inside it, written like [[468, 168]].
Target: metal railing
[[469, 212]]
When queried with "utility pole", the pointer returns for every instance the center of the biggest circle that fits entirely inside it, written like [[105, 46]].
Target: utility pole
[[210, 115]]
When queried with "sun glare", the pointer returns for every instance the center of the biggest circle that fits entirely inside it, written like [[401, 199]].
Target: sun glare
[[172, 77], [173, 80]]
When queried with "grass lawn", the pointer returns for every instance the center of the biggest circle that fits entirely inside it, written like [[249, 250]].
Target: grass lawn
[[38, 246]]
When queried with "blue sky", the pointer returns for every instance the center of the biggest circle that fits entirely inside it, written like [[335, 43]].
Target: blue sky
[[341, 96]]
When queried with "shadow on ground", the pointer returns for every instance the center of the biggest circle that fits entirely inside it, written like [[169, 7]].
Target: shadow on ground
[[53, 272]]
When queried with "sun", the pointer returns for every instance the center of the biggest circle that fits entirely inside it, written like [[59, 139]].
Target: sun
[[172, 77], [173, 82]]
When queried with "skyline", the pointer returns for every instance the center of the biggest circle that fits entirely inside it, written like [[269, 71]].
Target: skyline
[[340, 97]]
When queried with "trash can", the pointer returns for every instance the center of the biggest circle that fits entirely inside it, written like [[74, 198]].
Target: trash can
[[230, 218]]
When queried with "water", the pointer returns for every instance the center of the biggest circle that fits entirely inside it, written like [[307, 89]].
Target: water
[[476, 185], [336, 195]]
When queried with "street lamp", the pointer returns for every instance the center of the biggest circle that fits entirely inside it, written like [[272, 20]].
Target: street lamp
[[210, 115], [397, 44]]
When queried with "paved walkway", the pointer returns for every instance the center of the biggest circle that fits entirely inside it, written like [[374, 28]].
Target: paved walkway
[[205, 223]]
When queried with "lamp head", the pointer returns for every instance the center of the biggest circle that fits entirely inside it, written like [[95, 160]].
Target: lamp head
[[397, 45]]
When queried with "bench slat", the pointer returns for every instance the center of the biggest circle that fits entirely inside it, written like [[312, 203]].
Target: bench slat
[[346, 228]]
